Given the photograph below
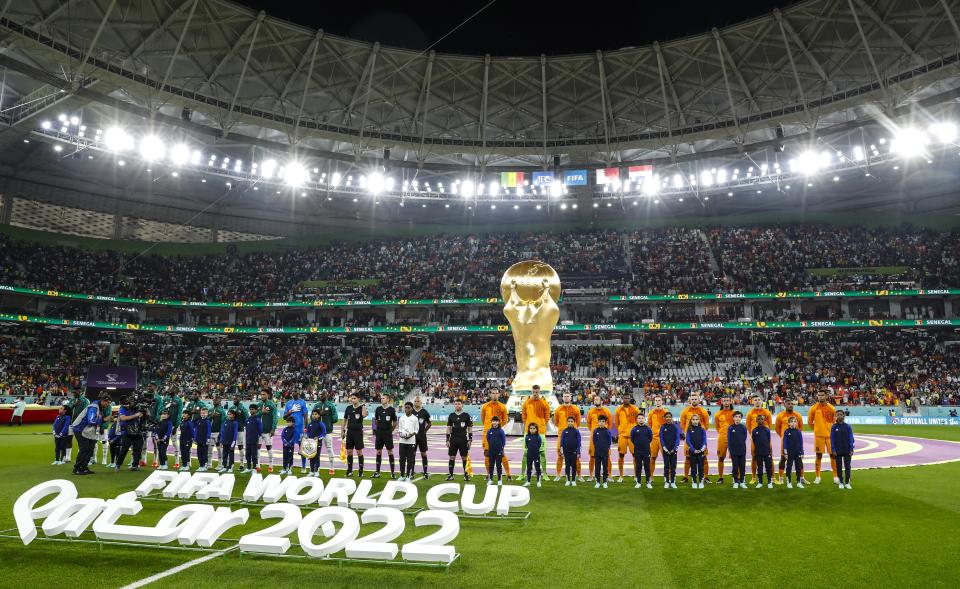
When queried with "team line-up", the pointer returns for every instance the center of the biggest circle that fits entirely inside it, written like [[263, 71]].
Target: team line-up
[[644, 436]]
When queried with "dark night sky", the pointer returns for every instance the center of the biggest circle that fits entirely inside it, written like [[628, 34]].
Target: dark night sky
[[514, 27]]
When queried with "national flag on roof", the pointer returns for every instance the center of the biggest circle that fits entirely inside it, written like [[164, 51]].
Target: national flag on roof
[[608, 175], [511, 179], [639, 172]]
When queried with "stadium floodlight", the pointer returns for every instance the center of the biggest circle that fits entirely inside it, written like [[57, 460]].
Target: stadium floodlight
[[651, 188], [180, 154], [388, 183], [494, 188], [152, 148], [857, 153], [57, 148], [677, 181], [116, 139], [45, 125], [944, 132], [75, 121], [375, 183], [269, 168], [556, 190], [910, 142], [62, 118], [467, 189], [706, 178], [294, 174], [195, 157], [808, 163], [721, 176], [335, 179]]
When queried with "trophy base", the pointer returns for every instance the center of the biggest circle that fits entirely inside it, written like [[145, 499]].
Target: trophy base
[[514, 426]]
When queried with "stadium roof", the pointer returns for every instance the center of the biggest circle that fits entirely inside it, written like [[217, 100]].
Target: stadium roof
[[219, 73], [814, 65]]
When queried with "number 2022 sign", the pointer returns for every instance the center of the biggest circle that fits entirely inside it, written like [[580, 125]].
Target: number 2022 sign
[[202, 524]]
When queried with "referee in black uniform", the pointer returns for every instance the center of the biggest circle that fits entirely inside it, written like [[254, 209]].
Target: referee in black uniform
[[459, 436], [423, 418], [384, 422], [352, 432]]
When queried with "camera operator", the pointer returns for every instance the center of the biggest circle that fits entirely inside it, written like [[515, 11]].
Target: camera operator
[[86, 428], [131, 432]]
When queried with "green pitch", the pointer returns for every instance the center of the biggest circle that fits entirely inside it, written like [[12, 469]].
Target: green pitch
[[897, 528]]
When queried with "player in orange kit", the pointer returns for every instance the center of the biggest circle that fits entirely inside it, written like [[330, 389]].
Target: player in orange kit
[[721, 421], [593, 419], [821, 418], [655, 420], [781, 425], [565, 411], [694, 408], [489, 410], [758, 409], [536, 410], [626, 418]]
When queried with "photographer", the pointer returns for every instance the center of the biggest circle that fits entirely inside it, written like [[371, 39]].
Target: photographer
[[130, 421]]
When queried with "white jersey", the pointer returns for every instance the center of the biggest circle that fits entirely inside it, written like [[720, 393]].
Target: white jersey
[[408, 426]]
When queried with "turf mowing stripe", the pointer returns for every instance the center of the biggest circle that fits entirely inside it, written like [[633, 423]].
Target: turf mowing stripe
[[177, 569]]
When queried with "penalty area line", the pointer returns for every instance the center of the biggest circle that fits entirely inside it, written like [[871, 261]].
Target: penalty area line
[[177, 569]]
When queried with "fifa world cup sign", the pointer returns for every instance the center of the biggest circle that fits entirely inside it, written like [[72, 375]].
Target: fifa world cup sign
[[530, 291]]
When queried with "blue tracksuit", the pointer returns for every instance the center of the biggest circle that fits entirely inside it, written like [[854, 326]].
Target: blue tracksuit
[[186, 442], [532, 444], [496, 441], [793, 447], [641, 436], [841, 444], [570, 444], [202, 433], [288, 439], [317, 431], [670, 443], [229, 432], [602, 440], [762, 452], [252, 437], [61, 429], [161, 439], [737, 445], [696, 439]]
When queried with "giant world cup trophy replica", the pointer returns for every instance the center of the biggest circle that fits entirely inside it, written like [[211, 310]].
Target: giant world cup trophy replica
[[530, 291]]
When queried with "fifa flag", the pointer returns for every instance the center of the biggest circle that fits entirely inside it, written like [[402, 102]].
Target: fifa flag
[[608, 175], [511, 179], [639, 173]]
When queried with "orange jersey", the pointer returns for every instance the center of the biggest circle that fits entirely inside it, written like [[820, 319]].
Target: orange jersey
[[492, 409], [689, 411], [752, 418], [783, 417], [562, 413], [721, 421], [593, 417], [626, 419], [821, 418], [537, 412], [655, 420]]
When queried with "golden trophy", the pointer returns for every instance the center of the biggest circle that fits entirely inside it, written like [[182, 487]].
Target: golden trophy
[[530, 291]]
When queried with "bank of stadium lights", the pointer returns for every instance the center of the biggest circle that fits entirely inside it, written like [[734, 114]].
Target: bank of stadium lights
[[117, 140], [294, 174]]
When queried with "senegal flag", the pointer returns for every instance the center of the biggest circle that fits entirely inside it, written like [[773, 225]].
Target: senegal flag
[[511, 179]]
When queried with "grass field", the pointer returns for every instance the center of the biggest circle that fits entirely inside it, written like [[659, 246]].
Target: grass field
[[897, 528]]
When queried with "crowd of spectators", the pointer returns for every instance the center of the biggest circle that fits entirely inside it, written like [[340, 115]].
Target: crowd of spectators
[[649, 261], [907, 368], [776, 258]]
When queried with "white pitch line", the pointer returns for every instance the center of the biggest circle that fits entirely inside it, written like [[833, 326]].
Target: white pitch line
[[177, 569]]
